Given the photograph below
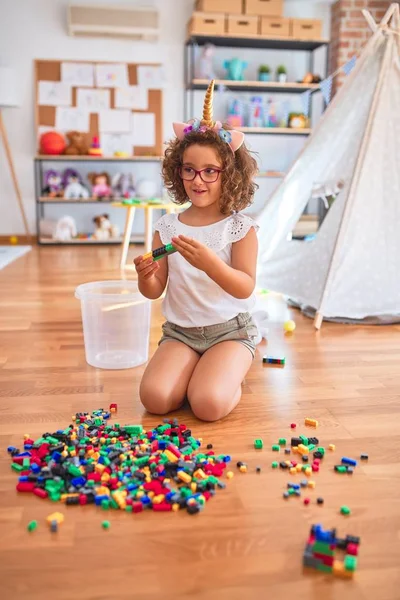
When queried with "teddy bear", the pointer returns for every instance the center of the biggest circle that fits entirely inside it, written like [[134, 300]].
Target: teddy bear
[[105, 230], [77, 143], [101, 185]]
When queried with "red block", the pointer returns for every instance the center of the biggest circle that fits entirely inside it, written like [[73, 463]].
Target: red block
[[315, 468], [25, 486], [327, 560], [137, 507], [163, 507], [41, 493], [352, 549], [82, 499], [172, 448]]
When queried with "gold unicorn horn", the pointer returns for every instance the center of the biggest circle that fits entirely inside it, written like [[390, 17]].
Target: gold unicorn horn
[[208, 106]]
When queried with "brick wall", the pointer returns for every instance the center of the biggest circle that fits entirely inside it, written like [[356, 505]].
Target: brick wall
[[350, 31]]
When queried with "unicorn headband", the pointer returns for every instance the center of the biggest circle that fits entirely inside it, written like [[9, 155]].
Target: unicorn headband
[[232, 137]]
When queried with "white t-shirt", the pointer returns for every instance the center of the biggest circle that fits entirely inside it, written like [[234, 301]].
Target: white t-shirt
[[192, 298]]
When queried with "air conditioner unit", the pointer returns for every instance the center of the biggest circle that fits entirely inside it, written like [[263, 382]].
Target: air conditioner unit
[[113, 21]]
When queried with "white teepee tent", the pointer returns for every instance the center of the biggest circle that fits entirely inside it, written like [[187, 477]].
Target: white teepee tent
[[351, 269]]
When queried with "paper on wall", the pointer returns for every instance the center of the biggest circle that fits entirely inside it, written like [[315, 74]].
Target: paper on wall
[[143, 129], [114, 121], [72, 119], [93, 100], [133, 96], [54, 93], [77, 74], [151, 77], [112, 75], [116, 142]]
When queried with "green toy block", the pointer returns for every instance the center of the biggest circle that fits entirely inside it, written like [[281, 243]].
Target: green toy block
[[324, 568], [323, 548], [341, 469], [276, 448], [32, 525], [16, 467], [344, 510], [275, 465], [282, 441], [321, 449], [350, 562], [311, 447], [135, 429], [304, 440], [258, 444]]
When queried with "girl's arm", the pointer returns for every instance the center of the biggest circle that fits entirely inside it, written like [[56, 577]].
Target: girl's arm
[[239, 279], [152, 276]]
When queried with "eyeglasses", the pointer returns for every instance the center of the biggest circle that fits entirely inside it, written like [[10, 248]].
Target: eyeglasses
[[208, 175]]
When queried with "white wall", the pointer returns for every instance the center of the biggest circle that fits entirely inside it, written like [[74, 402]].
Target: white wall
[[36, 29]]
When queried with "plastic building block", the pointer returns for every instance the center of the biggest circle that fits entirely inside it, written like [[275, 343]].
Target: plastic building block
[[32, 525], [364, 456], [306, 501], [275, 465], [243, 468], [113, 407], [159, 253], [350, 470], [209, 446], [258, 469], [273, 361], [340, 571], [345, 510], [276, 447], [352, 549], [282, 441], [105, 524], [340, 468], [310, 422], [229, 475], [258, 444], [57, 517], [349, 461], [287, 450], [304, 458], [318, 454], [350, 563], [320, 500], [332, 447], [293, 425]]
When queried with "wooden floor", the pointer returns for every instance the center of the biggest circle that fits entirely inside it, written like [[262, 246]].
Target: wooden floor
[[248, 542]]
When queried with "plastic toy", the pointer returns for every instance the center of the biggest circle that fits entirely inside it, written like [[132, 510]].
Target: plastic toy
[[289, 326], [273, 361], [235, 114], [52, 142], [320, 552], [101, 185], [204, 66], [73, 188], [235, 68], [256, 112], [258, 444], [123, 185], [104, 228], [53, 184], [95, 148], [159, 253]]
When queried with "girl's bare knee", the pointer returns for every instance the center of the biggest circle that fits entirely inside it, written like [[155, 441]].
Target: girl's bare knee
[[210, 407], [157, 401]]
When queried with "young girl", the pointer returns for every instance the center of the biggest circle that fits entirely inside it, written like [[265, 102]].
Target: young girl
[[208, 339]]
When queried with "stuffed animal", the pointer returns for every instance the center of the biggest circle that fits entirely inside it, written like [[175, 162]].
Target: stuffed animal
[[73, 188], [204, 66], [311, 78], [53, 184], [123, 185], [77, 143], [298, 121], [105, 230], [62, 230], [101, 185], [235, 68]]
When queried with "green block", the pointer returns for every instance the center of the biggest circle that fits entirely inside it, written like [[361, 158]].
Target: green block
[[323, 548], [341, 469], [258, 444], [105, 524], [275, 465], [344, 510], [324, 568], [311, 447], [26, 463], [128, 508], [282, 441], [105, 504], [304, 439], [113, 503], [276, 447], [16, 467], [350, 562], [136, 429], [32, 525], [321, 449]]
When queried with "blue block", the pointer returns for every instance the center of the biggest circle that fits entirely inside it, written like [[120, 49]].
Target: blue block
[[28, 446], [35, 468], [295, 486], [162, 445], [11, 448], [227, 459], [56, 456], [24, 454], [99, 499], [78, 481], [23, 478], [349, 461], [145, 500]]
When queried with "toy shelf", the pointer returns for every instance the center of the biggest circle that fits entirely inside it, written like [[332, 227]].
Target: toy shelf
[[256, 86], [255, 41], [271, 175], [47, 200], [86, 157], [78, 241], [275, 130]]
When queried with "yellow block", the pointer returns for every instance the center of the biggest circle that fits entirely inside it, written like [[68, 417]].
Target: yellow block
[[302, 449], [158, 499], [199, 474], [56, 516], [229, 474], [293, 470], [171, 456], [311, 484], [103, 491], [332, 447], [175, 507], [99, 468], [310, 422], [340, 571], [299, 468], [184, 476]]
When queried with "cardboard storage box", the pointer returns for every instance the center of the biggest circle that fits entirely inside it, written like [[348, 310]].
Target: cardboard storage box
[[266, 8], [306, 29], [220, 6], [242, 25], [206, 23], [275, 27]]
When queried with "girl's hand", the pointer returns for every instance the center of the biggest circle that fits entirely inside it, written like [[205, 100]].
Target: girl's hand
[[146, 269], [196, 253]]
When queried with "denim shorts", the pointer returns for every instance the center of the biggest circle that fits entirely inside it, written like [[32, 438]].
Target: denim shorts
[[239, 329]]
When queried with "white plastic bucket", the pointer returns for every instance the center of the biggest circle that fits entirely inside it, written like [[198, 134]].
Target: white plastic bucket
[[116, 324]]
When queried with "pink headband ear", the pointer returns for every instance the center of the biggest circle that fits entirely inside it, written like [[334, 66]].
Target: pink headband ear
[[232, 137]]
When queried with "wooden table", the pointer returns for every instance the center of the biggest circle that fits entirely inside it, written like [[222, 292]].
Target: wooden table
[[148, 208]]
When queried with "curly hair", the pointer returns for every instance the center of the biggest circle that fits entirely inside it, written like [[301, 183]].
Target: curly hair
[[238, 186]]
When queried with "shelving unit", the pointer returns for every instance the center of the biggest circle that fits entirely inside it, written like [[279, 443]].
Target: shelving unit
[[258, 42], [43, 201], [275, 130]]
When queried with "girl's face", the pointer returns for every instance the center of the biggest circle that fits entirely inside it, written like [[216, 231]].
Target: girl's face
[[202, 193]]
